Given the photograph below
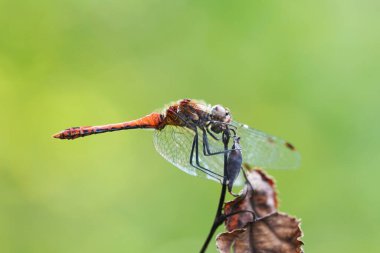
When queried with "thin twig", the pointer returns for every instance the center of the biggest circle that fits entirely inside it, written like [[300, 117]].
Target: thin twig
[[219, 217]]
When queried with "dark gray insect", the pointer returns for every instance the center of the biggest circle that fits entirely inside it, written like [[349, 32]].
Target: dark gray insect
[[235, 159]]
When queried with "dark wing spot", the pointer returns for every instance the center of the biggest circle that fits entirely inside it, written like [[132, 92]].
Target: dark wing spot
[[290, 146], [270, 140]]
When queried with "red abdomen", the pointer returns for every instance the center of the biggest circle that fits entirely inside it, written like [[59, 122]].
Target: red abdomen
[[153, 120]]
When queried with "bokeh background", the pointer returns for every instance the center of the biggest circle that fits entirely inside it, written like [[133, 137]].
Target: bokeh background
[[307, 71]]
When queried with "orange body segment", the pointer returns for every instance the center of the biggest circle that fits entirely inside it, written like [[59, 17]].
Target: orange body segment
[[152, 120]]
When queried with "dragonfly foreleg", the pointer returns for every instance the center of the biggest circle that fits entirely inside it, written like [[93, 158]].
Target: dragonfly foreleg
[[194, 151], [210, 133], [206, 146]]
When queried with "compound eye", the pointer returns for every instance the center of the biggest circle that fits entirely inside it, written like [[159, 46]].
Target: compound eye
[[219, 110]]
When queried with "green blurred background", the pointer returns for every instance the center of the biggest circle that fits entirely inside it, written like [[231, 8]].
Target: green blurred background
[[304, 70]]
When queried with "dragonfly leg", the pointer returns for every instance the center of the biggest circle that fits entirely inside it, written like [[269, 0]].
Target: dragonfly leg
[[197, 156], [206, 147], [195, 148], [210, 133], [194, 151]]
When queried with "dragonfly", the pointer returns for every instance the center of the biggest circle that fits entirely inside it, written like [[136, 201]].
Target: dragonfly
[[188, 134]]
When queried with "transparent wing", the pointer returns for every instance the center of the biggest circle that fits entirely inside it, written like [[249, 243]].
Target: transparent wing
[[266, 151], [174, 144]]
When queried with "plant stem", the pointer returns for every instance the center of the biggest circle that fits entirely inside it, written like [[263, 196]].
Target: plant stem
[[219, 217]]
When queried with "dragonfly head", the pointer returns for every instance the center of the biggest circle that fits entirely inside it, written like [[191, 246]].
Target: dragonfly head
[[219, 114]]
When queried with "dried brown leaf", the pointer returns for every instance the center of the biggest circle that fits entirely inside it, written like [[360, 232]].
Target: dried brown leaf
[[276, 233], [271, 232], [262, 200]]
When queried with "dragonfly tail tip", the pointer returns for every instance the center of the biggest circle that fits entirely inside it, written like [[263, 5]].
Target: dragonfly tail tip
[[58, 136]]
